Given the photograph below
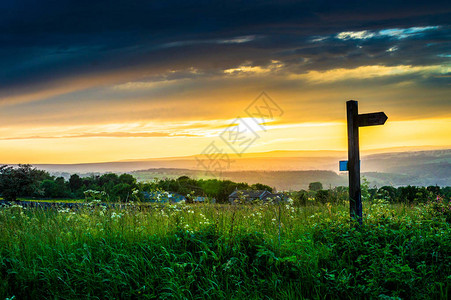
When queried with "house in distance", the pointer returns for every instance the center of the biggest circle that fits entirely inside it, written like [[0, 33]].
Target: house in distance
[[248, 196]]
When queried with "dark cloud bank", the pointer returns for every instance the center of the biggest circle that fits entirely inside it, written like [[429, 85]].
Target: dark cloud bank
[[47, 40]]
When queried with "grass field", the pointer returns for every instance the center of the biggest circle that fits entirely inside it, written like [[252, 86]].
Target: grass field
[[222, 251]]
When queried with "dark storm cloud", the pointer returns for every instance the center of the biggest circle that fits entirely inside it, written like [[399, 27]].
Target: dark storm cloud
[[47, 40]]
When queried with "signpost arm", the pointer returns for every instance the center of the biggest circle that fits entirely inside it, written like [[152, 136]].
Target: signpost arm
[[355, 199]]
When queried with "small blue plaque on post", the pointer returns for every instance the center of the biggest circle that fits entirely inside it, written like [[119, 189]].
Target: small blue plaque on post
[[343, 165]]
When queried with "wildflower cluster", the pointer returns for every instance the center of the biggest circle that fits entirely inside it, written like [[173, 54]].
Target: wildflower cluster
[[116, 216]]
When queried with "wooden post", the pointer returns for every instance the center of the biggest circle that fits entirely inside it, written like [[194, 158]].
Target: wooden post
[[355, 196], [353, 165]]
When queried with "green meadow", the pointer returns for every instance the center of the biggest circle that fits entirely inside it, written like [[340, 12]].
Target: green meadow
[[211, 251]]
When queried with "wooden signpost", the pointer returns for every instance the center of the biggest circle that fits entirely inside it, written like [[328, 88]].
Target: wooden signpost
[[353, 165]]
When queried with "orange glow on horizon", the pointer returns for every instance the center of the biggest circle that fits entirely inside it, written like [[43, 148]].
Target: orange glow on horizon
[[295, 137]]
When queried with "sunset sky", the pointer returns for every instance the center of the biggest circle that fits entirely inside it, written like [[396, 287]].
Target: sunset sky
[[93, 81]]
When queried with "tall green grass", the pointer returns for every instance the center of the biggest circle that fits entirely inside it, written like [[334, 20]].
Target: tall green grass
[[222, 251]]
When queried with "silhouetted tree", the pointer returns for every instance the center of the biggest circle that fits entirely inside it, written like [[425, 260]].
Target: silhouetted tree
[[75, 183], [315, 186], [21, 181]]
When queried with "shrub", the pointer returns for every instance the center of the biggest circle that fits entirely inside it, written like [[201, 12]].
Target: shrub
[[299, 198], [322, 196]]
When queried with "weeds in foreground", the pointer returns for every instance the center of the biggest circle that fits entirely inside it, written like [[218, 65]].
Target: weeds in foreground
[[222, 251]]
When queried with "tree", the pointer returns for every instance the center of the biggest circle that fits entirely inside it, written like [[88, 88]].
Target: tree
[[62, 188], [262, 187], [388, 193], [21, 181], [57, 188], [78, 185], [127, 179], [315, 186], [49, 187], [123, 191], [434, 189], [411, 194], [108, 179], [75, 183]]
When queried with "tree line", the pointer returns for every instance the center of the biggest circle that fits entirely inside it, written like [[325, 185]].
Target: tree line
[[403, 194], [27, 182]]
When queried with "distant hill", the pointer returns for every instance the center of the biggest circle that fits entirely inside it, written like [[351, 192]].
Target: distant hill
[[288, 169], [414, 168], [282, 180], [420, 168], [295, 180]]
